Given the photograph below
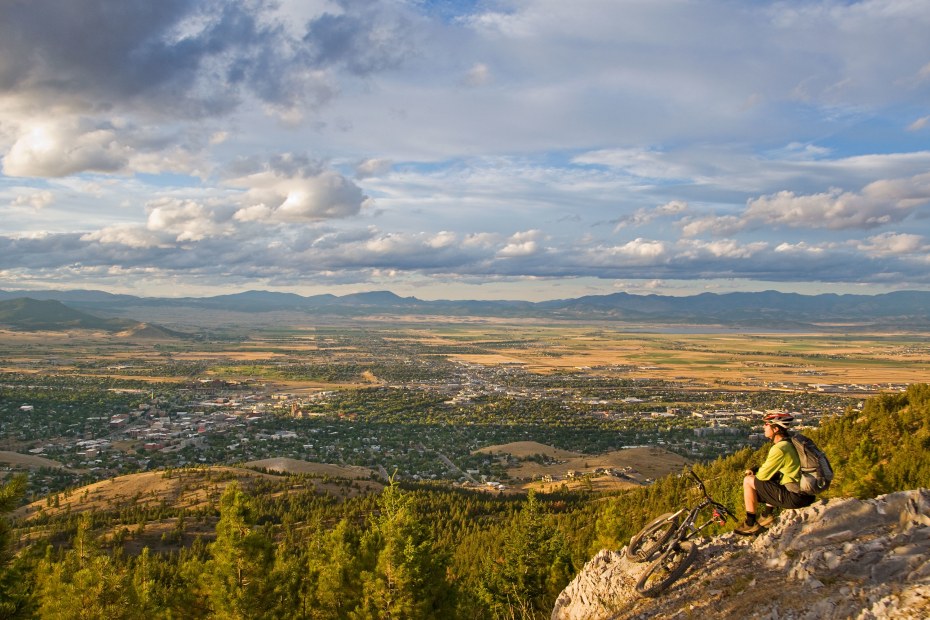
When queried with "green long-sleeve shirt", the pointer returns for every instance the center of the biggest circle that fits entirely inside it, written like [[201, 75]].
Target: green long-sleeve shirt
[[782, 457]]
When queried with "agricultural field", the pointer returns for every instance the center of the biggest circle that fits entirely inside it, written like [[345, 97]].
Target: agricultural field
[[693, 358]]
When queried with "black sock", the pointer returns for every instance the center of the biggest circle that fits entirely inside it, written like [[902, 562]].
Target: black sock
[[750, 518]]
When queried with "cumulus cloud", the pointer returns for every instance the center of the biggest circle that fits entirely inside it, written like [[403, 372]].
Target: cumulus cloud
[[879, 203], [186, 219], [637, 251], [521, 244], [68, 145], [894, 244], [56, 149], [293, 189]]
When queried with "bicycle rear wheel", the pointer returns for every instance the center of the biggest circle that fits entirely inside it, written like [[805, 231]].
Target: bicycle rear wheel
[[651, 538], [666, 569]]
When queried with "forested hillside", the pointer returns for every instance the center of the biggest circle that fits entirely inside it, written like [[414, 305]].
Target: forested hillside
[[282, 550]]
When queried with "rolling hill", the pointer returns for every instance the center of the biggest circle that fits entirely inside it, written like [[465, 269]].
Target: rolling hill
[[26, 314]]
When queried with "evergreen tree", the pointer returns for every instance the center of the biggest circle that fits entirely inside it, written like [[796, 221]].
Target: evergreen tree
[[337, 567], [85, 583], [406, 578], [532, 568], [15, 596], [236, 574]]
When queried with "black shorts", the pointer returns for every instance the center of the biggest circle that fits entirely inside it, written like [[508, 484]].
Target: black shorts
[[774, 494]]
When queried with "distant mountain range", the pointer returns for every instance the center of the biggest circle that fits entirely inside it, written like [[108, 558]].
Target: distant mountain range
[[26, 314], [769, 309]]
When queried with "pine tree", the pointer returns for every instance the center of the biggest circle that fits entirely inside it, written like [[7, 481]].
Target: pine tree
[[532, 568], [235, 576], [337, 567], [85, 583], [407, 578], [15, 597]]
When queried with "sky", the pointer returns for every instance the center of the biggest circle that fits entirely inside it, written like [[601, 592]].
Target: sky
[[470, 149]]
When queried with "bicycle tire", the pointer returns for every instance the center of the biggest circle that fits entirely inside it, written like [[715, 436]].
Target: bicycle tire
[[666, 569], [644, 545]]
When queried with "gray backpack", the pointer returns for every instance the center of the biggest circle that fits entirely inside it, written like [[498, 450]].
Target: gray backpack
[[816, 472]]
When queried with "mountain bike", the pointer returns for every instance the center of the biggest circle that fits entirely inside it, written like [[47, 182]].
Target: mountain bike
[[670, 536]]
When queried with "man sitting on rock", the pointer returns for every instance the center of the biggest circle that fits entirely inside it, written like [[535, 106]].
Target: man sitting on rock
[[776, 482]]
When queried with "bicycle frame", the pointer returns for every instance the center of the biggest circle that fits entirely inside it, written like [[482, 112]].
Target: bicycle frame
[[687, 529]]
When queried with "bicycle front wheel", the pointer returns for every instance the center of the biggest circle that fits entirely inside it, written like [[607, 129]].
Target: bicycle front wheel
[[651, 538], [666, 569]]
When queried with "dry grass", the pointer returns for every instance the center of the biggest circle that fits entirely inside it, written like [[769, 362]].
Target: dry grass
[[197, 487], [28, 460], [523, 449], [295, 466], [645, 463]]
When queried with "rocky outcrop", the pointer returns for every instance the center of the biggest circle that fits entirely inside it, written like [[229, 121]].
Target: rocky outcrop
[[843, 558]]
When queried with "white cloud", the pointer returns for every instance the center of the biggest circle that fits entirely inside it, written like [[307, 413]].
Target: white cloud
[[521, 244], [721, 225], [725, 248], [126, 234], [443, 239], [481, 240], [879, 203], [186, 219], [801, 247], [56, 149], [919, 124], [301, 194], [894, 244], [639, 248], [35, 200]]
